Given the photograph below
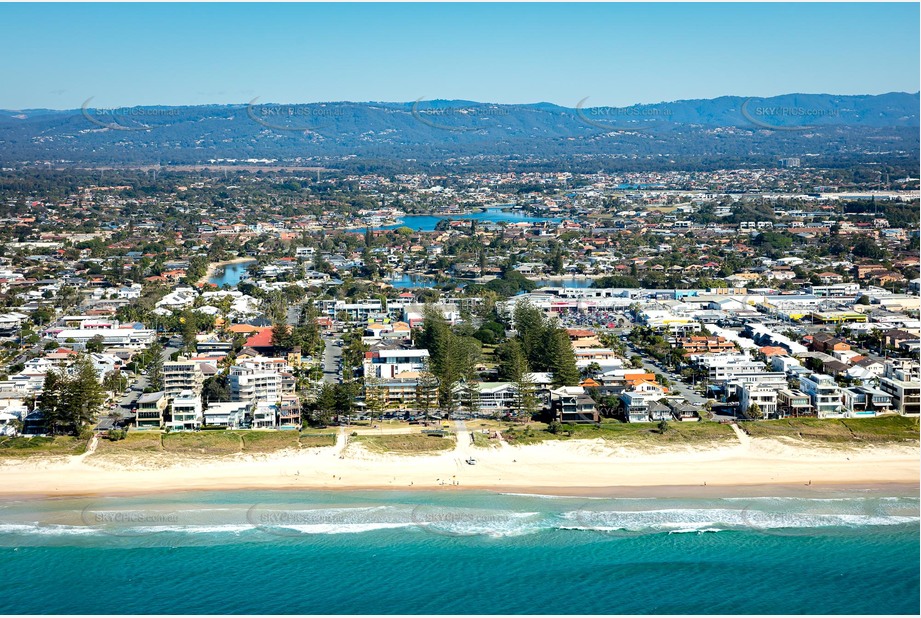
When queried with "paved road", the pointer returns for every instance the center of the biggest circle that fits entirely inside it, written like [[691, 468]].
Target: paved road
[[331, 355], [133, 393], [675, 385]]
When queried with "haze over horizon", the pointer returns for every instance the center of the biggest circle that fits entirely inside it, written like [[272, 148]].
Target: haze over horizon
[[588, 103], [616, 55]]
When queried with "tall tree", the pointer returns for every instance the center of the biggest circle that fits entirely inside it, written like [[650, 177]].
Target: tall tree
[[426, 392], [375, 397], [50, 402], [155, 366], [325, 404], [83, 395], [561, 358], [282, 336]]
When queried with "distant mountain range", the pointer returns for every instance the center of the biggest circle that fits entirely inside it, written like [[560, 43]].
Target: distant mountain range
[[825, 129]]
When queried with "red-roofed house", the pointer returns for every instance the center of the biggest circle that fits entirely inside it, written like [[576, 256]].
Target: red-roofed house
[[261, 341]]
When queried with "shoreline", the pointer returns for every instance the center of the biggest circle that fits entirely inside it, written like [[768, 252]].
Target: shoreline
[[712, 492], [582, 468], [213, 267]]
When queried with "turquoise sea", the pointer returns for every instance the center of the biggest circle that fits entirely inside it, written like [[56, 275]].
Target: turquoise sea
[[460, 552]]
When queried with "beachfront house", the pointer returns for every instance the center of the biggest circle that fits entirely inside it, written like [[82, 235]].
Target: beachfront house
[[824, 395], [228, 414], [150, 410], [571, 404]]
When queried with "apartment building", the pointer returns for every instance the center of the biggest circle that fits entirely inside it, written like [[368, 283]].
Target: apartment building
[[186, 412], [180, 376], [756, 379], [131, 338], [289, 412], [570, 404], [254, 385], [722, 368], [387, 364], [906, 395], [865, 401], [764, 396], [265, 415], [705, 345], [229, 414]]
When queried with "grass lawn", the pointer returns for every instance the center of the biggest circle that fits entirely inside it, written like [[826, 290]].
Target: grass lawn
[[205, 442], [485, 423], [882, 430], [532, 433], [406, 443], [58, 445], [134, 441], [216, 442], [481, 440], [267, 441], [313, 440], [614, 431]]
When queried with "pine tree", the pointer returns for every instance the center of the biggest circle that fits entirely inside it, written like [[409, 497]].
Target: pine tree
[[561, 358], [531, 326], [155, 366], [282, 337], [511, 359], [83, 395], [470, 393], [325, 405], [526, 404], [426, 392], [375, 397], [50, 401]]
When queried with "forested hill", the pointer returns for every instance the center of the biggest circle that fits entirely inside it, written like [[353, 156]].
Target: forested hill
[[822, 129]]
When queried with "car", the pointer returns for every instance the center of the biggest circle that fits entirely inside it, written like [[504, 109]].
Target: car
[[471, 461]]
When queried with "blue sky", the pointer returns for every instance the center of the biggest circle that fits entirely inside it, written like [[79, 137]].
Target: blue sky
[[58, 56]]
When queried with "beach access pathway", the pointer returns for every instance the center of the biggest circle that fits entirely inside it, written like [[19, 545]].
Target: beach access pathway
[[744, 439]]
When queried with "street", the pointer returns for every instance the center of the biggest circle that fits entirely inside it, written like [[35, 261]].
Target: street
[[675, 385], [133, 393], [332, 354]]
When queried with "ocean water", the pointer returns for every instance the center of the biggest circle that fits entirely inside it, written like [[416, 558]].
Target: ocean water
[[458, 552]]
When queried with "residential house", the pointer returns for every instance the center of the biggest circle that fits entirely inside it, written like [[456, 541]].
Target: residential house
[[824, 395], [150, 410], [792, 402], [570, 404]]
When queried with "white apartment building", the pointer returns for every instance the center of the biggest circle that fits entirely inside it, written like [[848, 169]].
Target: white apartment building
[[725, 367], [133, 338], [386, 364], [254, 385], [228, 414], [186, 412], [763, 395], [180, 376]]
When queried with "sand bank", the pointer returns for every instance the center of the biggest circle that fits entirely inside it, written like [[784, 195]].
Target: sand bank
[[586, 467]]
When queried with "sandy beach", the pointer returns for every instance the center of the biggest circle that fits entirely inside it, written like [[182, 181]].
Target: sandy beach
[[582, 467], [215, 266]]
